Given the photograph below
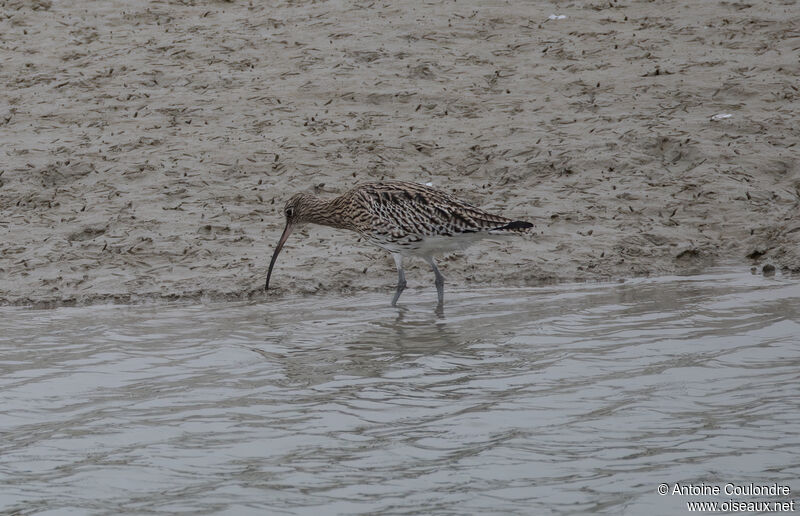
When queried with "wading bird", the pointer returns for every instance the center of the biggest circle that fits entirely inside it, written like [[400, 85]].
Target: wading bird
[[406, 219]]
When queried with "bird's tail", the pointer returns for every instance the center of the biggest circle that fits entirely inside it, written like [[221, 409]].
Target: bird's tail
[[518, 226]]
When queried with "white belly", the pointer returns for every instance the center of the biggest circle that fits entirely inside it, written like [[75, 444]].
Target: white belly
[[431, 245]]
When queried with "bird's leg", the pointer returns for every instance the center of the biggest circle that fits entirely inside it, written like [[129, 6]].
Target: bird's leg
[[401, 278], [439, 279]]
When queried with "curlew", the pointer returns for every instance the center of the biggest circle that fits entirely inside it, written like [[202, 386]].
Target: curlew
[[406, 219]]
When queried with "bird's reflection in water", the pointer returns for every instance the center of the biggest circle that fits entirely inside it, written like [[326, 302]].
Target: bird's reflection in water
[[363, 341], [415, 330]]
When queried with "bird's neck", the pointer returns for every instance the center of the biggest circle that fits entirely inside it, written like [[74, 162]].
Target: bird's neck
[[329, 212]]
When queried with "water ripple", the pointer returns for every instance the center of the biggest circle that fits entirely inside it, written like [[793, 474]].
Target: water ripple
[[566, 399]]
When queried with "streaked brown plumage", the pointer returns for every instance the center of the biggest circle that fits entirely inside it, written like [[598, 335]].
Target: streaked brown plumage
[[406, 219]]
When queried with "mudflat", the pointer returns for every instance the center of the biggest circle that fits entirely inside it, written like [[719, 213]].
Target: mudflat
[[148, 147]]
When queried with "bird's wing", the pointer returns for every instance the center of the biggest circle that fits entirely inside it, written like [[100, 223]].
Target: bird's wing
[[414, 209]]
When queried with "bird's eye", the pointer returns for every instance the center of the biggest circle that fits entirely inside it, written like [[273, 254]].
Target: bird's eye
[[289, 212]]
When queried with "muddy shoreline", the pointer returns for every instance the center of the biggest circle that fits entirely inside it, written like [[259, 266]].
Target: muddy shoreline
[[148, 147]]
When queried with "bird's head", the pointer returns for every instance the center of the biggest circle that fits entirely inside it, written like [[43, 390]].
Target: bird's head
[[298, 209]]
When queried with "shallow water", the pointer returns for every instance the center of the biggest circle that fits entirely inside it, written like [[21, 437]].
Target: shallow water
[[565, 399]]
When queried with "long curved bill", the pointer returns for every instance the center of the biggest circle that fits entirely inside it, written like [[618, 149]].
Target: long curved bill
[[286, 232]]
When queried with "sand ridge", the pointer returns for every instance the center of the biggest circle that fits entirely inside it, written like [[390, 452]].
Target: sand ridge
[[149, 146]]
